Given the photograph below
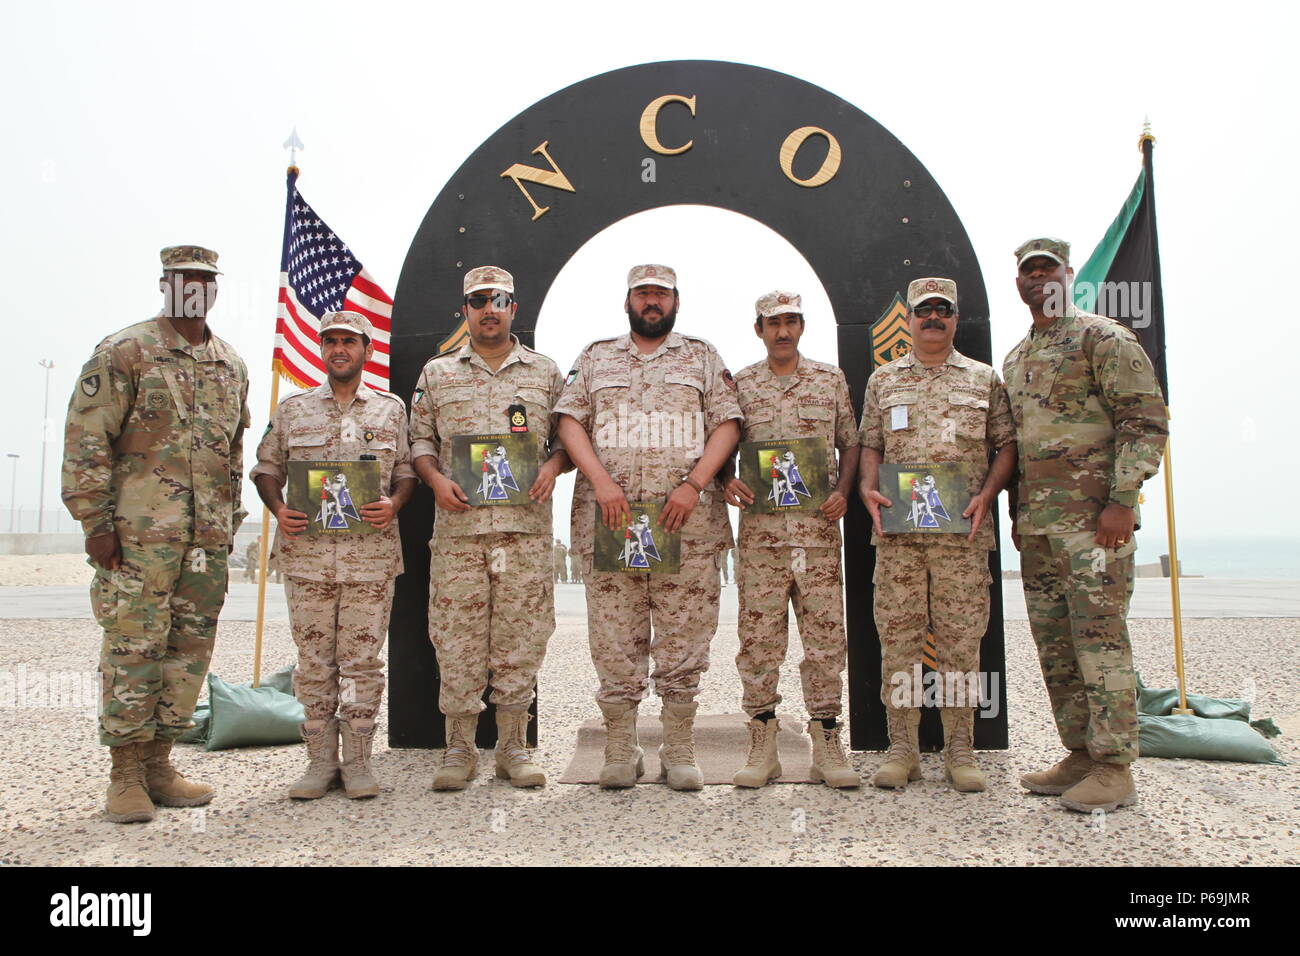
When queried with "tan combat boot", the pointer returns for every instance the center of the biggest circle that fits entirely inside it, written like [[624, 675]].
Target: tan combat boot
[[829, 763], [903, 760], [959, 764], [128, 800], [624, 760], [1060, 777], [166, 786], [1108, 786], [677, 752], [358, 736], [761, 766], [323, 761], [513, 761], [460, 760]]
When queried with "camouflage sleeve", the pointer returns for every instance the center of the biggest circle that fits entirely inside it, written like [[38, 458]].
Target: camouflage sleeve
[[1129, 389], [721, 401], [238, 512], [553, 424], [101, 401], [870, 434], [1001, 428], [846, 434], [271, 452], [402, 460], [575, 400], [424, 422]]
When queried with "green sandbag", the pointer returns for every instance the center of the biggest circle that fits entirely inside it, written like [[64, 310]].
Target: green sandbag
[[244, 716], [1160, 703], [1198, 738], [281, 680]]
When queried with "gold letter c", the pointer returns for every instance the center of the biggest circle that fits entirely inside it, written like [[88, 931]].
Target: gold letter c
[[650, 117]]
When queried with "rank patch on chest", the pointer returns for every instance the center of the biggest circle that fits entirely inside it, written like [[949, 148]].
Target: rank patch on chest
[[518, 418], [156, 401], [369, 434]]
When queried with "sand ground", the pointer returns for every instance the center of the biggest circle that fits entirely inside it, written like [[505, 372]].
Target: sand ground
[[1192, 813]]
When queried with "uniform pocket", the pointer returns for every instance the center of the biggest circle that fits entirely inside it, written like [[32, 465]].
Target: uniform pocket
[[971, 412]]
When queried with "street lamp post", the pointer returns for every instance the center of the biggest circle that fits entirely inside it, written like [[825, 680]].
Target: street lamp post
[[46, 364], [13, 492]]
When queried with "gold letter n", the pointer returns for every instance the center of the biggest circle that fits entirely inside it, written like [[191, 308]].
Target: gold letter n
[[554, 178]]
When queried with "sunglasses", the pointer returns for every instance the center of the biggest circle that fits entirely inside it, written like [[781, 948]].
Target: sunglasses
[[943, 310], [499, 300]]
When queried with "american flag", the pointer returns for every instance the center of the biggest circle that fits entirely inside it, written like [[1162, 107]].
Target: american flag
[[319, 274]]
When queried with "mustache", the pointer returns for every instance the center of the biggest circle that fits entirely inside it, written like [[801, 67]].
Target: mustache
[[933, 324]]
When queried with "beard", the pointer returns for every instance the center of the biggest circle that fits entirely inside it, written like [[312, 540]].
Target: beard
[[651, 323]]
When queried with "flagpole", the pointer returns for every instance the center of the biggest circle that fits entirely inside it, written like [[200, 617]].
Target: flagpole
[[1146, 145]]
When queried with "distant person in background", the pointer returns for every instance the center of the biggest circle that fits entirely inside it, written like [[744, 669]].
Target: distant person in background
[[561, 561], [575, 568], [152, 462], [250, 559], [1091, 425]]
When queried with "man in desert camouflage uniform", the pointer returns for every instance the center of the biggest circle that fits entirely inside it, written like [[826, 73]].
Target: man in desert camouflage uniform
[[651, 415], [934, 405], [561, 562], [491, 576], [340, 586], [1091, 425], [796, 557], [152, 462]]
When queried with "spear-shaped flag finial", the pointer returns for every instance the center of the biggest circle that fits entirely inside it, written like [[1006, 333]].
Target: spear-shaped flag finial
[[293, 144]]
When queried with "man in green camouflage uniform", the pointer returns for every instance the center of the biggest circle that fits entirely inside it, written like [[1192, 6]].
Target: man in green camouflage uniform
[[491, 573], [151, 468], [934, 405], [1091, 425], [793, 558]]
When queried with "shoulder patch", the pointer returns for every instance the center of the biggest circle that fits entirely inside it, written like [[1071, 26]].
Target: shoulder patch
[[728, 378], [569, 379]]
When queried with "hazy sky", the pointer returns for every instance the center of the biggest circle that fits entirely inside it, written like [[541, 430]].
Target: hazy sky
[[134, 126]]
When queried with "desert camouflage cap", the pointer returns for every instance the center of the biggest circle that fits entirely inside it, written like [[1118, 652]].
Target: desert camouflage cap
[[489, 277], [189, 258], [918, 290], [652, 274], [778, 303], [1057, 249], [352, 321]]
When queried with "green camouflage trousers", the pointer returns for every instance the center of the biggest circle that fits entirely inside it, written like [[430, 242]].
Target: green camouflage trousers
[[1077, 594], [491, 612], [159, 614], [770, 580]]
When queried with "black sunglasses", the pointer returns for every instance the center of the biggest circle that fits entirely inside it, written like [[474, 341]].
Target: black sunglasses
[[499, 300], [943, 310]]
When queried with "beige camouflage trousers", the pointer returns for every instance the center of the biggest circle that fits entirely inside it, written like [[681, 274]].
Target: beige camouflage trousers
[[770, 580], [159, 614], [491, 612], [340, 630], [1077, 594], [632, 617], [930, 587]]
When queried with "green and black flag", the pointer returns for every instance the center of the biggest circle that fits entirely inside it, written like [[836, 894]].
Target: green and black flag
[[1122, 277]]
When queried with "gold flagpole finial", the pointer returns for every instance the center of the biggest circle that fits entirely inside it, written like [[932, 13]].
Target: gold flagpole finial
[[1146, 133]]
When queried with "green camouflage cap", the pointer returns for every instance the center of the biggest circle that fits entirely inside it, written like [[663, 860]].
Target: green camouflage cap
[[489, 277], [652, 274], [778, 303], [1057, 249], [189, 259], [918, 290], [351, 321]]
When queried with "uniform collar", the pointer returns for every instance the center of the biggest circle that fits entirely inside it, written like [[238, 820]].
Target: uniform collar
[[625, 342], [517, 353], [1064, 322], [955, 359], [765, 373], [325, 391]]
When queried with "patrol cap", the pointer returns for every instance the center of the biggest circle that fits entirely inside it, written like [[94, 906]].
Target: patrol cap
[[489, 277], [351, 321], [652, 274], [1057, 249], [189, 258], [778, 303], [918, 290]]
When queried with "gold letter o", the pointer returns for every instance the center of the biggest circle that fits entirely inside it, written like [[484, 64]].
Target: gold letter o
[[830, 166]]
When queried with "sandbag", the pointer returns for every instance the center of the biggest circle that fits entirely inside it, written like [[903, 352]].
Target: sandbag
[[1199, 738]]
